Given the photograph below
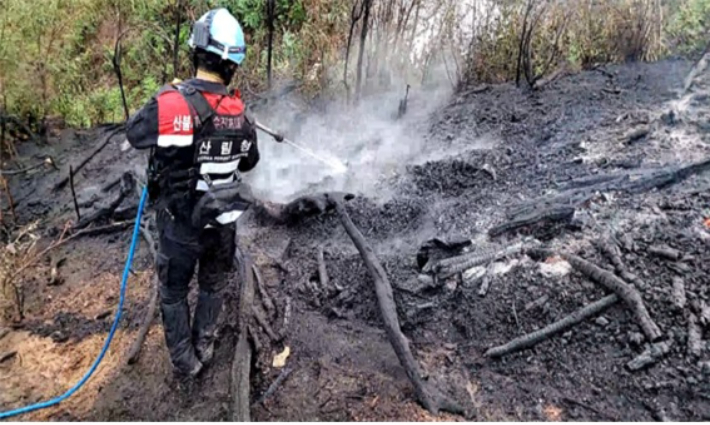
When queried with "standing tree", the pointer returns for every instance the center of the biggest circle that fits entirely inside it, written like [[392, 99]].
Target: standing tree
[[355, 16], [367, 6]]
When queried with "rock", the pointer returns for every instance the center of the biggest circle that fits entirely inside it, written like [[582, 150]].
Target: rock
[[636, 338], [59, 337], [705, 367], [602, 321], [555, 268]]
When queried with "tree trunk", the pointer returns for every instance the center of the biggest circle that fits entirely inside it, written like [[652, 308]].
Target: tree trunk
[[354, 18], [367, 4]]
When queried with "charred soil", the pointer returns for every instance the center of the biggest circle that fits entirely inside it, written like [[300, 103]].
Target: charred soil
[[555, 150]]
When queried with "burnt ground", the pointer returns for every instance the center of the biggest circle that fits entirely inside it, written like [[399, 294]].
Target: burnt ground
[[342, 366]]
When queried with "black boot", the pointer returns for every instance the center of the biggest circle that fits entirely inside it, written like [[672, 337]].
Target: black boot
[[204, 325], [176, 321]]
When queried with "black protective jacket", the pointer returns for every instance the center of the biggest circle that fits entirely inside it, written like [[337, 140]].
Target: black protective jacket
[[189, 155]]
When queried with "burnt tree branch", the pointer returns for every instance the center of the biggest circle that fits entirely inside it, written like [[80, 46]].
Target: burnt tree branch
[[127, 185], [265, 297], [534, 338], [135, 350], [611, 282], [63, 182], [429, 399], [241, 365], [611, 251]]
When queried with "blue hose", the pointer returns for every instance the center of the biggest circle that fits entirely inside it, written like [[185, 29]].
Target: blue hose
[[124, 281]]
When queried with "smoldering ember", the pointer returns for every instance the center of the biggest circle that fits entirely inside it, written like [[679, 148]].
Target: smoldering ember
[[493, 250]]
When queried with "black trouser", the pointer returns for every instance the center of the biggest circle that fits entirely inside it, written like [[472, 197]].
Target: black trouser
[[182, 247]]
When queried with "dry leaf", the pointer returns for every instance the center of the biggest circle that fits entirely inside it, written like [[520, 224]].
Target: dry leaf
[[280, 359]]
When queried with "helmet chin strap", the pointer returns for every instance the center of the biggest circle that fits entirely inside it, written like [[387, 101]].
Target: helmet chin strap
[[204, 74]]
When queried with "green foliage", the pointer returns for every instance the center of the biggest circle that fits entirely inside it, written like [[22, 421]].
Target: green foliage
[[688, 28], [56, 55]]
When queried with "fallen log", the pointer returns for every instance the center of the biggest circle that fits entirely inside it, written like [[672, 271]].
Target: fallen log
[[553, 214], [265, 297], [63, 182], [534, 338], [241, 365], [666, 177], [611, 251], [591, 181], [609, 281], [127, 185], [650, 356], [631, 182], [452, 266], [429, 399], [134, 352]]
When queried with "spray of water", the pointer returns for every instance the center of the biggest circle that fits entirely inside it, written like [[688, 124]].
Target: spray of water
[[362, 145]]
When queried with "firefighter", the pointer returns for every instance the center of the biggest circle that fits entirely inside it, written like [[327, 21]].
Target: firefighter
[[201, 140]]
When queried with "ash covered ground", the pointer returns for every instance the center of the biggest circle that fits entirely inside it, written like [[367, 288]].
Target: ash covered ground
[[454, 168]]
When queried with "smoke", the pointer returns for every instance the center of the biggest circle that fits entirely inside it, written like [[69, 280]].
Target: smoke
[[368, 138]]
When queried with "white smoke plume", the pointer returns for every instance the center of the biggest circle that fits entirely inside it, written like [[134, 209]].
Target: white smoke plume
[[367, 138]]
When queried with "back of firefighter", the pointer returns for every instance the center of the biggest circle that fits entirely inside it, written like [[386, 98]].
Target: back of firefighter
[[200, 139]]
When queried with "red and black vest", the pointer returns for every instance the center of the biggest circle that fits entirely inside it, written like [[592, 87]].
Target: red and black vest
[[202, 138]]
